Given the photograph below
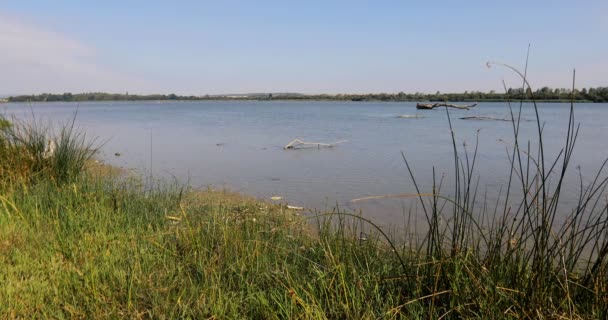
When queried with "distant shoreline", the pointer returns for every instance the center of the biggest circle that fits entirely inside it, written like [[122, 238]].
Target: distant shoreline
[[304, 100], [544, 94]]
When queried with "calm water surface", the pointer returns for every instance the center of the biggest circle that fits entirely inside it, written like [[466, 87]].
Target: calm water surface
[[239, 145]]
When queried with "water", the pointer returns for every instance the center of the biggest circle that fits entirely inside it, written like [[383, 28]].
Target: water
[[239, 145]]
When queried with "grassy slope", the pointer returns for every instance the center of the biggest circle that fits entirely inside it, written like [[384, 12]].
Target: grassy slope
[[98, 248]]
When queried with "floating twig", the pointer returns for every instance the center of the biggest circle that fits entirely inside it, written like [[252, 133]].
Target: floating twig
[[428, 106], [490, 118], [403, 195], [298, 143], [410, 116], [484, 118]]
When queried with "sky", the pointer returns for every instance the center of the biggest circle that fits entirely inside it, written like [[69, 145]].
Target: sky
[[220, 47]]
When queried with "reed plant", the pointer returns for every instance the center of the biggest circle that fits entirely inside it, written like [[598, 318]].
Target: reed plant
[[531, 257], [33, 149]]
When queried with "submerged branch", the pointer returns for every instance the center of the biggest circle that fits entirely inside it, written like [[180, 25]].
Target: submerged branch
[[485, 118], [386, 196], [428, 106], [298, 143]]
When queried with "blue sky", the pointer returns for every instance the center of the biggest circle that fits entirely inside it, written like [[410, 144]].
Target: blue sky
[[211, 47]]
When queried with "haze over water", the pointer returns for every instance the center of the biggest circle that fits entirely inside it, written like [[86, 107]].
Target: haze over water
[[239, 145]]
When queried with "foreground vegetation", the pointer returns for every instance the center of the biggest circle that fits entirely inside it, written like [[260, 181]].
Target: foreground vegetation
[[599, 94], [78, 244]]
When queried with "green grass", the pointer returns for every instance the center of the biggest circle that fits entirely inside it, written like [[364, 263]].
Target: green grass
[[33, 150], [96, 248], [76, 244]]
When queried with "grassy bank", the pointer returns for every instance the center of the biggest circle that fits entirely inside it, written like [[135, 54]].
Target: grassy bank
[[82, 243]]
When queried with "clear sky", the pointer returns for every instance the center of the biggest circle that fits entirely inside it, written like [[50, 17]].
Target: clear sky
[[213, 47]]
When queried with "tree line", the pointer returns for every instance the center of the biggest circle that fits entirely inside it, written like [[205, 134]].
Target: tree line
[[598, 94], [95, 96]]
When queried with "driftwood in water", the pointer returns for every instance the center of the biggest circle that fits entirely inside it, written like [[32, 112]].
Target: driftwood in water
[[493, 119], [410, 116], [297, 143], [428, 106], [484, 118], [385, 196]]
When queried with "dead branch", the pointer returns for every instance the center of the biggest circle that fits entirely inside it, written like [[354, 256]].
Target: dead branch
[[410, 116], [492, 118], [484, 118], [403, 195], [428, 106], [297, 143], [295, 208]]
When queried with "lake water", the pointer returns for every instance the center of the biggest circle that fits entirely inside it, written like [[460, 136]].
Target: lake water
[[239, 145]]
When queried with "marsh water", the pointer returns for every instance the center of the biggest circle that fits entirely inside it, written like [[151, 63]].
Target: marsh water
[[238, 145]]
